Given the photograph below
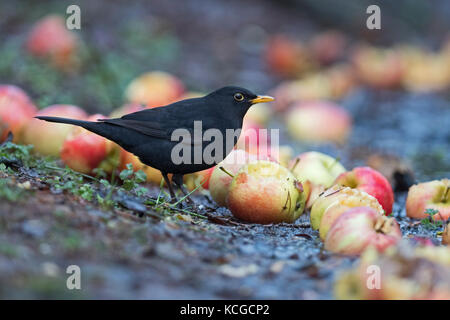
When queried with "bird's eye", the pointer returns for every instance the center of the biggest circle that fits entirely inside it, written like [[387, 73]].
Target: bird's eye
[[238, 97]]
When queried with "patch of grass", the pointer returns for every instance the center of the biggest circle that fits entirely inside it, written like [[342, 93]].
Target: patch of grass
[[429, 223]]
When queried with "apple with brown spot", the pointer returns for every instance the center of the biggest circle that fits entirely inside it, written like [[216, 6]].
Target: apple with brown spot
[[265, 192], [359, 228]]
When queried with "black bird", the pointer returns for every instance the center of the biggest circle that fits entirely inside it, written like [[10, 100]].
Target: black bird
[[148, 133]]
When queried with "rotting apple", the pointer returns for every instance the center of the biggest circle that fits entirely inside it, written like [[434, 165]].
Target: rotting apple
[[83, 151], [16, 109], [429, 195], [265, 192], [371, 181], [360, 227], [348, 198], [50, 38], [48, 138], [154, 89], [319, 168], [220, 180], [319, 122]]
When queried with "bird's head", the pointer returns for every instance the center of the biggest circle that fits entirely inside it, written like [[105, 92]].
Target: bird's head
[[238, 97]]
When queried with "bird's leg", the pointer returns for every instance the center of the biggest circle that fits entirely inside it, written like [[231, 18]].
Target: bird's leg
[[169, 185], [178, 179]]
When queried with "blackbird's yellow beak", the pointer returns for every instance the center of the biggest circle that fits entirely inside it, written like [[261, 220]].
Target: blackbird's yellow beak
[[260, 99]]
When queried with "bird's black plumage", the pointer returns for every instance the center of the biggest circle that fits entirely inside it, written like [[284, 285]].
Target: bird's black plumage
[[148, 133]]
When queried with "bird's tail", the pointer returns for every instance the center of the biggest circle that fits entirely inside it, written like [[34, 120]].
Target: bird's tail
[[96, 127]]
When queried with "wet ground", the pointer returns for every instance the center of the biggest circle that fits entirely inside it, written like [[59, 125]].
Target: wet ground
[[207, 254]]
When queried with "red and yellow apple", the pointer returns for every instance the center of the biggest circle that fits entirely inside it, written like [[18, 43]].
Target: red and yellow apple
[[200, 178], [429, 195], [319, 122], [220, 180], [371, 181], [265, 192], [319, 168], [155, 89], [46, 137], [83, 151], [50, 38], [359, 228], [16, 109]]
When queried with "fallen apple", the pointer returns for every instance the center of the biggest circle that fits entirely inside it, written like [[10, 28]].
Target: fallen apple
[[16, 109], [154, 89], [319, 168], [347, 199], [265, 192], [198, 179], [371, 181], [432, 195], [319, 122], [46, 137], [50, 38], [221, 180], [360, 227], [83, 151]]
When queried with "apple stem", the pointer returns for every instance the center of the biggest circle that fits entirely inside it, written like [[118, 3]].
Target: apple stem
[[225, 170], [295, 164]]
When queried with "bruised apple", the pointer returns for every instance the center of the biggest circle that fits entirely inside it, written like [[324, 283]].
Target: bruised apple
[[360, 227], [46, 137], [429, 195], [371, 181], [265, 192], [16, 109], [220, 180], [154, 89]]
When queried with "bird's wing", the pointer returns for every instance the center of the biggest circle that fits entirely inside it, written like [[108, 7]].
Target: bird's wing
[[160, 122], [149, 128]]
